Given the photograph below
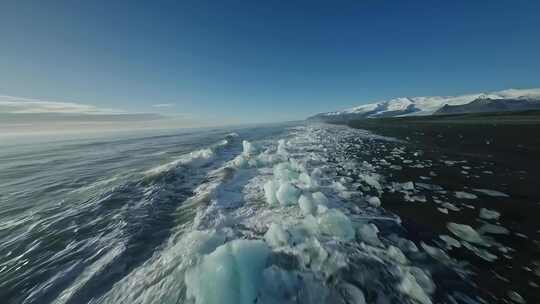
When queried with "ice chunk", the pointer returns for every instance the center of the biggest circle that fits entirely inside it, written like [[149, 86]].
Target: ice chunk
[[279, 286], [493, 193], [443, 210], [321, 209], [415, 198], [339, 187], [202, 242], [450, 206], [266, 158], [374, 201], [287, 194], [240, 161], [466, 233], [270, 190], [320, 199], [493, 229], [423, 279], [516, 297], [369, 233], [281, 149], [429, 186], [285, 172], [249, 149], [317, 173], [407, 186], [489, 214], [276, 236], [403, 243], [465, 195], [352, 294], [306, 204], [410, 287], [484, 254], [450, 241], [308, 182], [372, 180], [231, 274], [396, 254], [335, 223], [436, 253]]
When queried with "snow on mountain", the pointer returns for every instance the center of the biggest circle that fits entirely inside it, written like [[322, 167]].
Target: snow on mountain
[[426, 105]]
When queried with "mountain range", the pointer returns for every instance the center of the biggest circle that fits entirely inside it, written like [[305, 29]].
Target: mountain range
[[506, 100]]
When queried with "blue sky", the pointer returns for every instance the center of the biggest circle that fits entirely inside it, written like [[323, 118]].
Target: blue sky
[[260, 61]]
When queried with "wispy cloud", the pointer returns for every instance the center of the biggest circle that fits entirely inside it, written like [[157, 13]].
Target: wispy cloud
[[164, 105], [20, 105], [19, 116]]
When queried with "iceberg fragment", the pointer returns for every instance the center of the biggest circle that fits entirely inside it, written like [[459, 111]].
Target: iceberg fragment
[[335, 223], [306, 204], [410, 287], [276, 236], [489, 214], [319, 199], [270, 190], [230, 274], [287, 194], [467, 233], [368, 233], [465, 195], [374, 201]]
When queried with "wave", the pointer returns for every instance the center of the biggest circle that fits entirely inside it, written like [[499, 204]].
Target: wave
[[288, 219], [293, 221], [120, 223]]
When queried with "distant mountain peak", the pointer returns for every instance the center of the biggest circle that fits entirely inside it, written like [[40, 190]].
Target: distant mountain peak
[[429, 105]]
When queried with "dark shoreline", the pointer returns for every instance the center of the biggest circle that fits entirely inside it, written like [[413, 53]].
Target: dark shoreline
[[501, 152]]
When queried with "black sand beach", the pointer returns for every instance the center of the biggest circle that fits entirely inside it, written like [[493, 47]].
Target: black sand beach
[[470, 154]]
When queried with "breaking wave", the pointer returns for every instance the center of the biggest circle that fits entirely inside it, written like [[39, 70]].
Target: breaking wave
[[291, 219]]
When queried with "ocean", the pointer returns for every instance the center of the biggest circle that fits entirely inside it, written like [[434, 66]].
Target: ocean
[[285, 213]]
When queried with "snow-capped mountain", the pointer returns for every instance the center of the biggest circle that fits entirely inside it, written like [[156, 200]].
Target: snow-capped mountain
[[506, 100]]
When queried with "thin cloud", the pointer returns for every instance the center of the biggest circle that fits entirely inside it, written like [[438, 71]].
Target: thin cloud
[[164, 105], [21, 105]]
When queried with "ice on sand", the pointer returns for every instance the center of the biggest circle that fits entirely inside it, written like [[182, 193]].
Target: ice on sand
[[450, 241], [493, 193], [489, 214], [410, 287], [466, 233], [465, 195], [374, 201]]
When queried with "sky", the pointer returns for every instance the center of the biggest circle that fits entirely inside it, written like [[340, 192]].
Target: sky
[[226, 62]]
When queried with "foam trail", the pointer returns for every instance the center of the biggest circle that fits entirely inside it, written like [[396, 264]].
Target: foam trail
[[257, 196]]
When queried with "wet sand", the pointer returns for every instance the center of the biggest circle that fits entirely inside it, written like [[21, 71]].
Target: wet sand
[[461, 153]]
